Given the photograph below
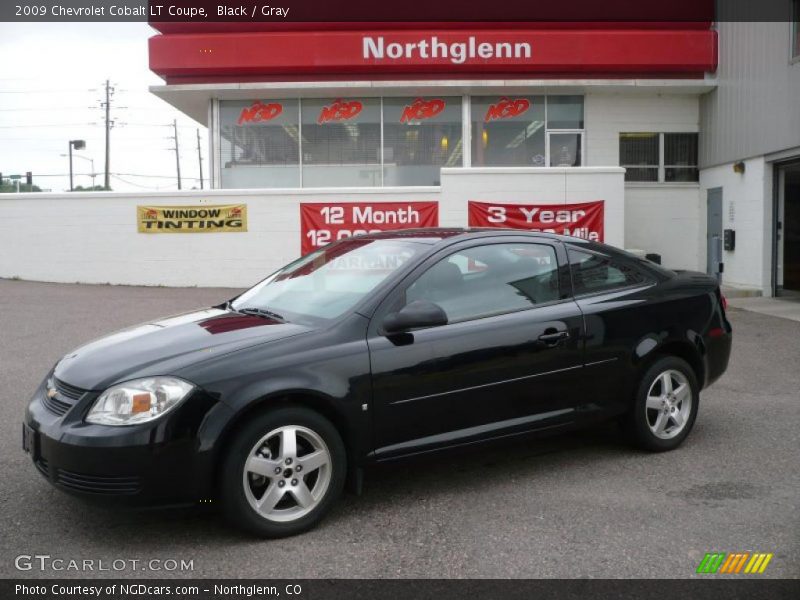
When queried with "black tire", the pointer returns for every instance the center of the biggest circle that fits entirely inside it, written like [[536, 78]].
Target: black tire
[[235, 502], [637, 423]]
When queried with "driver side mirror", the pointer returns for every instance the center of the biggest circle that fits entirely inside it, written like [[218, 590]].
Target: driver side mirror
[[419, 313]]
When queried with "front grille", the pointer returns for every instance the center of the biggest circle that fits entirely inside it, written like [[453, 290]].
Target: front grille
[[66, 397], [97, 484], [56, 406], [68, 391]]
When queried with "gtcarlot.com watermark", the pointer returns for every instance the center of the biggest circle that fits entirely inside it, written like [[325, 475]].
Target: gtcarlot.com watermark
[[57, 564]]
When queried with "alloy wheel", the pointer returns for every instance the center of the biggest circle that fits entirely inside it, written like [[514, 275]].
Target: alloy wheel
[[287, 473], [669, 404]]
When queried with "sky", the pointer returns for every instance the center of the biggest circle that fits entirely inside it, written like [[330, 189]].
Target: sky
[[51, 85]]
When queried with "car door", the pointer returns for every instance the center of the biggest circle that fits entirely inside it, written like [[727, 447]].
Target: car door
[[622, 320], [502, 364]]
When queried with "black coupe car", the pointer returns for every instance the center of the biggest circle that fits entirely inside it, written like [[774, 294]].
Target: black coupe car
[[371, 349]]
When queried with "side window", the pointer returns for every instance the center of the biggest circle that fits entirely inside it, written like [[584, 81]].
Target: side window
[[489, 280], [596, 273]]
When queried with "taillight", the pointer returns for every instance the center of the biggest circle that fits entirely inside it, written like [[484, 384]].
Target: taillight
[[724, 301]]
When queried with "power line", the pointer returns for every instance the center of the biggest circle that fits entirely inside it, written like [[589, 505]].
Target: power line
[[49, 108], [155, 176], [68, 91], [53, 91], [146, 187], [114, 175], [48, 125]]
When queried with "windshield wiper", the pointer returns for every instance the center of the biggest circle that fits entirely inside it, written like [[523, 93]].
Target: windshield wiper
[[260, 312]]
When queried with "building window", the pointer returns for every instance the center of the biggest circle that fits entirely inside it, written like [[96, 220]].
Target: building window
[[420, 136], [659, 157], [404, 141], [680, 157], [565, 112], [508, 131], [259, 144], [527, 131], [341, 142]]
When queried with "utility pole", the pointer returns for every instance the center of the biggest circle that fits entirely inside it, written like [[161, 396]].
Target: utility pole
[[109, 124], [200, 158], [177, 151]]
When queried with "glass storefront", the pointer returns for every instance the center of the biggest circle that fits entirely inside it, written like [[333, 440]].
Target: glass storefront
[[259, 144], [421, 135], [508, 132], [391, 141], [341, 142]]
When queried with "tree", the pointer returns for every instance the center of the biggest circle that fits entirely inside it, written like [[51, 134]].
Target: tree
[[96, 188], [9, 187]]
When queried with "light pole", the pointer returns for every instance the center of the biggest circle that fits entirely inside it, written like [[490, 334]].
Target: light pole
[[93, 174], [78, 145]]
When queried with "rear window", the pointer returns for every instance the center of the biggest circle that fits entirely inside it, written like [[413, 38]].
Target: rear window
[[593, 273]]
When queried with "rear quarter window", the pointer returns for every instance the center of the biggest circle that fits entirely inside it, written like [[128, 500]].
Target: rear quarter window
[[592, 273]]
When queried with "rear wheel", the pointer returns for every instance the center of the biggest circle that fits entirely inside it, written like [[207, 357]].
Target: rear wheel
[[283, 472], [665, 407]]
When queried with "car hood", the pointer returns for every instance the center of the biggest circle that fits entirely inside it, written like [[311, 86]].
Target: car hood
[[161, 347]]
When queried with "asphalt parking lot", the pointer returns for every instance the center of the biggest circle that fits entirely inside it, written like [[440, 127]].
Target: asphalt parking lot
[[580, 505]]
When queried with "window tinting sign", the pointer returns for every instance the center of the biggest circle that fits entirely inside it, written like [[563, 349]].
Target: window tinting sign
[[584, 220], [192, 219]]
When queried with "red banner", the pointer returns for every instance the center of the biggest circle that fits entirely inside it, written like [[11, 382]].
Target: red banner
[[584, 220], [325, 222]]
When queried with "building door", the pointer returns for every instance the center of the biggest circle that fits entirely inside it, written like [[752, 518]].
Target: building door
[[787, 232], [714, 233]]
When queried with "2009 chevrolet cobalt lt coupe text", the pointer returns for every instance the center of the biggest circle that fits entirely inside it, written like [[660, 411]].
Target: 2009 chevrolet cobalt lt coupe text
[[374, 348]]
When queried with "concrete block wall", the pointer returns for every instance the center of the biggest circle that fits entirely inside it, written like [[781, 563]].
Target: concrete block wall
[[93, 238], [665, 218]]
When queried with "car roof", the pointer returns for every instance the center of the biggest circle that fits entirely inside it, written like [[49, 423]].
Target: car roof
[[436, 235]]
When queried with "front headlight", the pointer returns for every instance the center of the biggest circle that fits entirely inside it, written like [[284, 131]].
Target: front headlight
[[138, 401]]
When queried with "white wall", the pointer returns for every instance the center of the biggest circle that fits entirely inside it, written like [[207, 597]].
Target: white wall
[[92, 237], [668, 219], [609, 114], [747, 209], [536, 186]]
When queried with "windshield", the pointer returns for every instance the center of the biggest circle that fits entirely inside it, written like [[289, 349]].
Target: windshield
[[327, 283]]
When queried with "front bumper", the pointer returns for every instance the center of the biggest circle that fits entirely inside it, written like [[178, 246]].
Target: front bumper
[[162, 462]]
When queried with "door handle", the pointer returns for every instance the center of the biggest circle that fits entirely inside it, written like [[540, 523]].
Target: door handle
[[551, 337]]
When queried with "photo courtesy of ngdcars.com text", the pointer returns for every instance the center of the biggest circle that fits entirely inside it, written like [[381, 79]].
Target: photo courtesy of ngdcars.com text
[[311, 299]]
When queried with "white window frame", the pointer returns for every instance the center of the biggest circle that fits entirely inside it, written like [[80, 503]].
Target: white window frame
[[662, 167], [549, 132], [467, 131]]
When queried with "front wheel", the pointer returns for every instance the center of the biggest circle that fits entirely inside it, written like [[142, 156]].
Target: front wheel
[[283, 472], [665, 407]]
